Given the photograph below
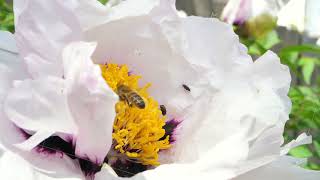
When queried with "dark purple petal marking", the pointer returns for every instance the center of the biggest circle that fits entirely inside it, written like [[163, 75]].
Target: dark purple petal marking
[[128, 168], [170, 128], [55, 144], [123, 167]]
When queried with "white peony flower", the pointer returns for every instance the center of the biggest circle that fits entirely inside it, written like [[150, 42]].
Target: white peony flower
[[239, 11], [301, 15], [62, 73]]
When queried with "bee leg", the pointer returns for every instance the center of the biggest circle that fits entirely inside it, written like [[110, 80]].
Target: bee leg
[[129, 103], [122, 98]]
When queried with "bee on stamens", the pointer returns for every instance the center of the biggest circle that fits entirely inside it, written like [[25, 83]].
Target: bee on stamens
[[125, 93]]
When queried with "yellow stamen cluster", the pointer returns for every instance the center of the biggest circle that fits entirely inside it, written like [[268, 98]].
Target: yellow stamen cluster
[[137, 132]]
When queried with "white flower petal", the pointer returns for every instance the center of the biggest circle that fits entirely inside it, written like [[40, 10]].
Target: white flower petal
[[42, 33], [14, 167], [7, 42], [292, 15], [262, 87], [34, 140], [40, 105], [284, 167], [312, 18], [239, 11], [201, 47], [302, 139], [42, 30], [11, 68], [144, 49], [280, 170], [91, 102]]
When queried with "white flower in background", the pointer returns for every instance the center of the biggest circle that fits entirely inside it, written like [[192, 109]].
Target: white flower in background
[[301, 15], [239, 11], [208, 111]]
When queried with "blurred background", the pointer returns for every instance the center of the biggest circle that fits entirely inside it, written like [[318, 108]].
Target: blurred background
[[291, 28]]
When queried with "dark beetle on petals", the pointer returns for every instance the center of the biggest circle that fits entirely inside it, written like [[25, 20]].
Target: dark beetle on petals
[[163, 110], [186, 87]]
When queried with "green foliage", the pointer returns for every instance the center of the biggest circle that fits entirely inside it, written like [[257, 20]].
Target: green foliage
[[305, 117], [301, 152], [258, 46], [6, 16], [103, 1]]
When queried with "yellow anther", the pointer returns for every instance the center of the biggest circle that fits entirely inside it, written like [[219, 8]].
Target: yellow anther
[[137, 132]]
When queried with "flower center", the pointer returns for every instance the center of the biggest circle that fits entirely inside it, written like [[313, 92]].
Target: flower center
[[138, 130]]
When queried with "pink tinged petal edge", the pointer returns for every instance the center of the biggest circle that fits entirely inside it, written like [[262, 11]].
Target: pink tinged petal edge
[[91, 102]]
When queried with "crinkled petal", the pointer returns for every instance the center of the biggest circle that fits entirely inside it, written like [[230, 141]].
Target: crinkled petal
[[278, 166], [302, 139], [42, 33], [262, 87], [280, 170], [144, 49], [42, 30], [91, 102], [211, 59]]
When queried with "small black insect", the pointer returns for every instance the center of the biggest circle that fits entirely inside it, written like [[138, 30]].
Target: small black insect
[[163, 110], [186, 87]]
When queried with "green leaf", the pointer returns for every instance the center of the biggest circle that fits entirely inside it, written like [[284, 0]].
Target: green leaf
[[255, 49], [301, 48], [269, 40], [317, 147], [313, 166], [307, 64], [301, 152], [103, 1]]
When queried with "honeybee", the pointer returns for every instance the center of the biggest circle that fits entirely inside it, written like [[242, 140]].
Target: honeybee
[[130, 96]]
